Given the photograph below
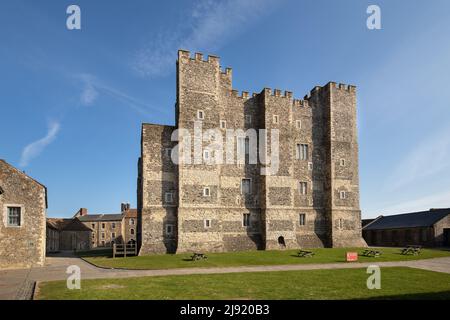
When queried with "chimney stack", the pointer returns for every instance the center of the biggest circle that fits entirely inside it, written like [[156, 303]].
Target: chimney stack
[[124, 207], [83, 212]]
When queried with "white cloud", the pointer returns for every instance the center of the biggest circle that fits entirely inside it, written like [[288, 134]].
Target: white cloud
[[93, 87], [440, 200], [34, 149], [428, 158], [210, 25]]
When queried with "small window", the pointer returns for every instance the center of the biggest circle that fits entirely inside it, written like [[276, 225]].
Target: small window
[[103, 243], [113, 235], [342, 195], [302, 219], [275, 119], [246, 186], [200, 115], [168, 197], [303, 188], [206, 192], [248, 119], [223, 124], [131, 231], [169, 229], [342, 162], [206, 155], [14, 216], [93, 226], [103, 226], [298, 124], [113, 225], [310, 166], [207, 223], [340, 224], [246, 220], [131, 222], [168, 152], [103, 235], [302, 152]]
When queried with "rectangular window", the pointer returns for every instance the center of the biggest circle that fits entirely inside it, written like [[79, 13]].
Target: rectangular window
[[93, 226], [340, 224], [223, 124], [169, 229], [206, 155], [246, 186], [303, 188], [103, 235], [302, 219], [302, 152], [103, 243], [113, 235], [200, 115], [168, 152], [342, 195], [113, 225], [246, 220], [103, 226], [206, 192], [168, 198], [310, 166], [207, 223], [298, 124], [14, 216], [275, 119], [342, 162]]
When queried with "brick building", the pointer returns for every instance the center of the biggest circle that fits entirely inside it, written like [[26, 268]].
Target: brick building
[[427, 228], [108, 229], [23, 205], [311, 200]]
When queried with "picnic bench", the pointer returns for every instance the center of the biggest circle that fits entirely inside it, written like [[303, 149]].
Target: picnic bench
[[371, 253], [411, 249], [305, 254], [198, 256]]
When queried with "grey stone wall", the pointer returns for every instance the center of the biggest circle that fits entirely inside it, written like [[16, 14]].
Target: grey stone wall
[[22, 246]]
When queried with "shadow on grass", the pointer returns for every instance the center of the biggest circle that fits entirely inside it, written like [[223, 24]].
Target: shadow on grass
[[441, 295]]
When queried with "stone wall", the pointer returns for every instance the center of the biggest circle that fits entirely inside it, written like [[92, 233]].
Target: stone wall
[[22, 246]]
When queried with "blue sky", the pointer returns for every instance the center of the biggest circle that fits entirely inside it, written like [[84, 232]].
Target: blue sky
[[72, 102]]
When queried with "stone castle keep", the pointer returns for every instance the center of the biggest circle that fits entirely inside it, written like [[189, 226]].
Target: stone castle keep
[[311, 201]]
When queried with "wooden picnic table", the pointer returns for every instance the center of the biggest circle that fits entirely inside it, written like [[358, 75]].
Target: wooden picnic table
[[372, 253], [411, 249], [305, 254], [198, 256]]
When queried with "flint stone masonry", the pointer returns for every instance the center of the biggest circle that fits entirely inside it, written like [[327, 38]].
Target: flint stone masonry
[[325, 120], [22, 246]]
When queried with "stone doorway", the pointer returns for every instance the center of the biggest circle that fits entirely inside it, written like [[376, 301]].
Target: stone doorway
[[281, 242]]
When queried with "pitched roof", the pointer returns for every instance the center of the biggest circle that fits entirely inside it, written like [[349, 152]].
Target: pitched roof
[[130, 213], [66, 224], [24, 174], [409, 220], [101, 217]]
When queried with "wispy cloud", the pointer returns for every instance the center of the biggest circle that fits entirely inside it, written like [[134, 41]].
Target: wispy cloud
[[210, 24], [34, 149], [428, 158], [439, 200], [93, 87]]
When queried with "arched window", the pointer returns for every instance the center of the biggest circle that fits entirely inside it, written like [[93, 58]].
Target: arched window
[[132, 231]]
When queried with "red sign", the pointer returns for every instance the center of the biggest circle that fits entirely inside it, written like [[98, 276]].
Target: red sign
[[352, 256]]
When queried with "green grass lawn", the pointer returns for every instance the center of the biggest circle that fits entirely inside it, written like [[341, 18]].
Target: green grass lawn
[[396, 283], [250, 258]]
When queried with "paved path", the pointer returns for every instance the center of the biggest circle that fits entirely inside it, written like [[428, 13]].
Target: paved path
[[17, 284]]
